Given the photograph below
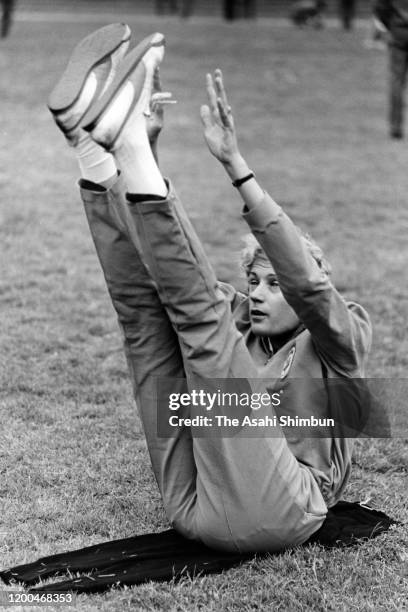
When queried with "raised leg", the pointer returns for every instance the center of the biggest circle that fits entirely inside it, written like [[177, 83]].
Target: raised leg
[[151, 347]]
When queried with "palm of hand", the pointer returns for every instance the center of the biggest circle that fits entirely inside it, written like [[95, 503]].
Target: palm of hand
[[220, 141], [217, 120]]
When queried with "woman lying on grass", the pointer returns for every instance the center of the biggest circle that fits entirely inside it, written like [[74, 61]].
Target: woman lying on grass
[[233, 492]]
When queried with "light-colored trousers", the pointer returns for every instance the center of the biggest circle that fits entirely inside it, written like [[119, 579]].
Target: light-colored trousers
[[233, 493]]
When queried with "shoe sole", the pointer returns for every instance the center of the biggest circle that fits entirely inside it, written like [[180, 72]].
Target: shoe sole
[[90, 52], [127, 66]]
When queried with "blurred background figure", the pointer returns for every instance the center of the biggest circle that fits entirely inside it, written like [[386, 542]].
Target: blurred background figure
[[186, 8], [308, 13], [347, 11], [393, 17], [183, 7], [6, 17], [164, 7], [232, 9]]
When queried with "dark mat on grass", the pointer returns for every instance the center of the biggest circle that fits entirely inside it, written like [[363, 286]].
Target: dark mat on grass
[[167, 555]]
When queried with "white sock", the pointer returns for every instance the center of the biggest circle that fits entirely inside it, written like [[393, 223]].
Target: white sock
[[95, 164]]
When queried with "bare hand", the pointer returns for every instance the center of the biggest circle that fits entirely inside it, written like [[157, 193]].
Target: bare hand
[[218, 122], [155, 114]]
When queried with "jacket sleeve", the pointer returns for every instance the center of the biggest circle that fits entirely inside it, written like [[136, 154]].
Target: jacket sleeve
[[341, 332], [382, 10]]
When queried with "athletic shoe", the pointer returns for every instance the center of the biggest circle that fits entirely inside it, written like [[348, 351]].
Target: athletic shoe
[[128, 95], [89, 73]]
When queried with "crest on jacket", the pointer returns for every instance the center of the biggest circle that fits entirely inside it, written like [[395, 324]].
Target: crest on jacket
[[288, 363]]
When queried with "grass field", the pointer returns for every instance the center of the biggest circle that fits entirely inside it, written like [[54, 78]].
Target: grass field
[[311, 111]]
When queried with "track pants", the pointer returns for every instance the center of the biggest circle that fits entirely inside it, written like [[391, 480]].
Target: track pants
[[233, 493]]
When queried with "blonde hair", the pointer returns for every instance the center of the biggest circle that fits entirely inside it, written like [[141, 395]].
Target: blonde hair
[[252, 250]]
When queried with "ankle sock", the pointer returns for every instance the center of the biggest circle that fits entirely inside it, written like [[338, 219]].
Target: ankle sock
[[96, 164]]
